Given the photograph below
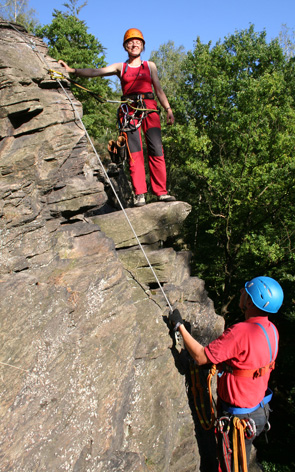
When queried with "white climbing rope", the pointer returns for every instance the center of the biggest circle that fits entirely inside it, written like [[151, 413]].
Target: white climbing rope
[[34, 48]]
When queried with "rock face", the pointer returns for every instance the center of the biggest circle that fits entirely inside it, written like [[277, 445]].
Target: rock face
[[90, 377]]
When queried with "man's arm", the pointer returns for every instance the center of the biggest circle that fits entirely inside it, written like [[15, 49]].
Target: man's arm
[[196, 350]]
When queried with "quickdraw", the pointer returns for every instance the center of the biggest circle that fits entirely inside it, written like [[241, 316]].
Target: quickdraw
[[240, 429], [198, 391], [222, 429]]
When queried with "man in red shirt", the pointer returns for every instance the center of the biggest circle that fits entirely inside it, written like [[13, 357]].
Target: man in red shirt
[[245, 355]]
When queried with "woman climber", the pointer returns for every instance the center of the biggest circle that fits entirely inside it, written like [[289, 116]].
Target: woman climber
[[138, 79]]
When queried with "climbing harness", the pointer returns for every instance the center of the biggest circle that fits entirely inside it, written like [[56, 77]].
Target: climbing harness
[[58, 77], [198, 395], [134, 102]]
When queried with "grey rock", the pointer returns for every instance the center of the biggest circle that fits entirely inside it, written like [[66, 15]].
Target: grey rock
[[89, 378]]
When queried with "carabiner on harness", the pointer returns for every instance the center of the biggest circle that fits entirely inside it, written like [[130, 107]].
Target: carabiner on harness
[[250, 428], [126, 121]]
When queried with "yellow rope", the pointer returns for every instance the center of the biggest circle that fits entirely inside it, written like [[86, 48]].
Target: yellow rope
[[239, 448], [197, 389]]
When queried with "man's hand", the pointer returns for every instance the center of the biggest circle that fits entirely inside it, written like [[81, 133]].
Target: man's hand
[[175, 319]]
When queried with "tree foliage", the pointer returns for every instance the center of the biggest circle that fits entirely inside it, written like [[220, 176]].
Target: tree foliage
[[234, 143], [69, 40], [168, 60]]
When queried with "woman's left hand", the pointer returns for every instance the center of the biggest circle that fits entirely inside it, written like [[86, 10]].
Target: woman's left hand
[[170, 117]]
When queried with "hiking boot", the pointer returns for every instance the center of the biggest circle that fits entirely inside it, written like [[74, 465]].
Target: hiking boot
[[139, 200], [166, 198]]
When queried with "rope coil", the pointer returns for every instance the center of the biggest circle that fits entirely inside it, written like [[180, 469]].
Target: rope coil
[[198, 391]]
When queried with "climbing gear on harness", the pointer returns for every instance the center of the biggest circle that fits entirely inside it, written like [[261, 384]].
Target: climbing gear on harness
[[133, 33], [197, 390], [166, 198], [222, 429], [139, 200], [128, 121], [255, 373], [266, 293], [239, 429]]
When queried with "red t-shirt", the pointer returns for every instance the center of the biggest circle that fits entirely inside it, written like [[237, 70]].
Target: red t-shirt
[[136, 80], [244, 346]]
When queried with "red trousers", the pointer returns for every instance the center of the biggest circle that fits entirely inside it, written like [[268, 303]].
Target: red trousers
[[151, 128]]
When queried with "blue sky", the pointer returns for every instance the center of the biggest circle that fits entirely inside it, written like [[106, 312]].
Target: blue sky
[[175, 20]]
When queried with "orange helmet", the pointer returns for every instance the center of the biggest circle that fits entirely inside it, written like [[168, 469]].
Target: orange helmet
[[133, 33]]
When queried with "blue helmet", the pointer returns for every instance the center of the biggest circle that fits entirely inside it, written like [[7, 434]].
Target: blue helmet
[[266, 293]]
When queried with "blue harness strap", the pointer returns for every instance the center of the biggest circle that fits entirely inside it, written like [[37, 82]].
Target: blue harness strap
[[235, 410]]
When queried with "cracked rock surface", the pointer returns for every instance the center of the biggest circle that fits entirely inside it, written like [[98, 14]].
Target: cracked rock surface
[[90, 380]]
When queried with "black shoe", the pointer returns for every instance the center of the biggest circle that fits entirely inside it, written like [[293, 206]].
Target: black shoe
[[166, 198]]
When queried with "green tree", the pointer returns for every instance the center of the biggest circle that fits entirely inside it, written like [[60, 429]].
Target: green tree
[[168, 60], [68, 39], [19, 11], [234, 143]]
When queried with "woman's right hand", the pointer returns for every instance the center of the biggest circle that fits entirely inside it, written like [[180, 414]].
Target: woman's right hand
[[65, 65]]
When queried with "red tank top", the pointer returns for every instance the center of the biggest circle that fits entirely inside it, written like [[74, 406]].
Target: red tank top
[[136, 80]]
